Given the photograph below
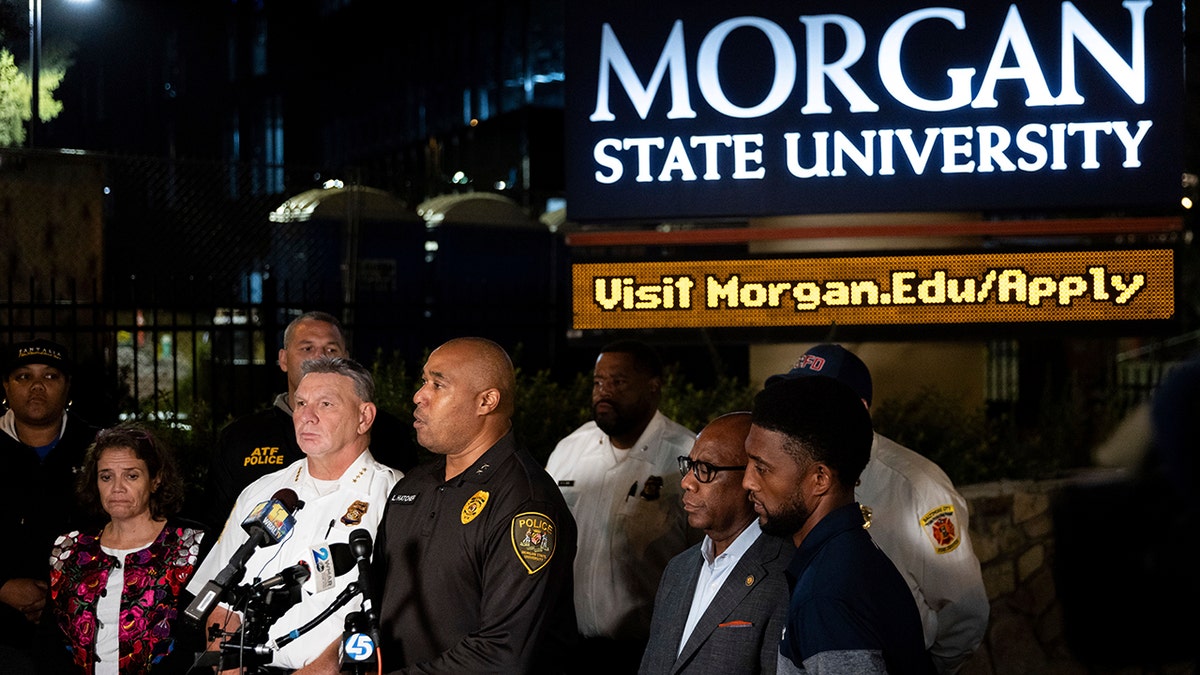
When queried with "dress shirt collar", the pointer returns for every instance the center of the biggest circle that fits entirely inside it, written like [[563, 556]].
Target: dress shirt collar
[[739, 546]]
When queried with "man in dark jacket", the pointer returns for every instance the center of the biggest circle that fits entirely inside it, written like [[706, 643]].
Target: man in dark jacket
[[721, 604], [850, 609]]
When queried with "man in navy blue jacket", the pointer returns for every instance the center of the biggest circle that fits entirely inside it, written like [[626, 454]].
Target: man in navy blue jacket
[[850, 609]]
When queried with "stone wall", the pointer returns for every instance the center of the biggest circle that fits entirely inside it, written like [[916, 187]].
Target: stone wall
[[1013, 527]]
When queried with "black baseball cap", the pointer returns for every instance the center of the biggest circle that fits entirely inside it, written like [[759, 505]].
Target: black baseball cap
[[834, 361], [41, 351]]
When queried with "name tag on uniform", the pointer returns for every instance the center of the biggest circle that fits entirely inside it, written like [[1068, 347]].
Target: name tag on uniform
[[566, 483]]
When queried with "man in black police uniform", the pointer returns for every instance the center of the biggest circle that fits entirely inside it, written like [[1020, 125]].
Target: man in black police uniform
[[474, 557], [255, 445]]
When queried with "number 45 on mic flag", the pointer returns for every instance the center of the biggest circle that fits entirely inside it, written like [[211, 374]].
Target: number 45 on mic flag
[[358, 651], [359, 646]]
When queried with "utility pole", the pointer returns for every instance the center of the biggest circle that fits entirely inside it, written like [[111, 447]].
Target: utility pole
[[35, 67]]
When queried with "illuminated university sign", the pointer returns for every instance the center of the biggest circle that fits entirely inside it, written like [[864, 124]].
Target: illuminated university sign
[[1136, 285], [701, 110]]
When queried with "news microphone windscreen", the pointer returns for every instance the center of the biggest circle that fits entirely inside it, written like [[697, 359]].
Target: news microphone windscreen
[[289, 576], [343, 558], [274, 517], [289, 499], [298, 573], [360, 543]]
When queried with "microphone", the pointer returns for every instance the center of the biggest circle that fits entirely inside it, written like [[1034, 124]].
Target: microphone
[[358, 652], [289, 576], [272, 520], [360, 545], [343, 558], [267, 523], [338, 561]]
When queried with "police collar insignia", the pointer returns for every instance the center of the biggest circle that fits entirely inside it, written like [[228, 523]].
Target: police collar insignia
[[473, 507], [533, 539], [355, 513]]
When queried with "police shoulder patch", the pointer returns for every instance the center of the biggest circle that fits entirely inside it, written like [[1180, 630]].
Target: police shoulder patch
[[939, 525], [533, 539]]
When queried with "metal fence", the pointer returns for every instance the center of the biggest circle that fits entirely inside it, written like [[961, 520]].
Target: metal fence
[[171, 281]]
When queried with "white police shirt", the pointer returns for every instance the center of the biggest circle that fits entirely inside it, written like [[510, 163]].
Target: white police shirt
[[332, 510]]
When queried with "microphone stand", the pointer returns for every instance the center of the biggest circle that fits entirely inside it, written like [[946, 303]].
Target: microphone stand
[[340, 601], [252, 650], [260, 608]]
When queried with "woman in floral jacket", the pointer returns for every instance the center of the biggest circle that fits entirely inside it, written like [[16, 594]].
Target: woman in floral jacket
[[115, 593]]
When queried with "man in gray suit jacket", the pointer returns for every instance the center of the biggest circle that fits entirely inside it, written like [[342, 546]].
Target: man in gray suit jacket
[[721, 604]]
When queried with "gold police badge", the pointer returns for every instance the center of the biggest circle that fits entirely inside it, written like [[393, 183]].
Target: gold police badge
[[533, 539], [473, 507], [355, 512]]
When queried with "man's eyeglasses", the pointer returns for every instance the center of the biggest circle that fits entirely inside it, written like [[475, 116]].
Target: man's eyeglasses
[[703, 471]]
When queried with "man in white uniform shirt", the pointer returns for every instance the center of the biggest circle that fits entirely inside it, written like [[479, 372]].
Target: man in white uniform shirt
[[617, 476], [343, 489], [919, 520], [722, 604]]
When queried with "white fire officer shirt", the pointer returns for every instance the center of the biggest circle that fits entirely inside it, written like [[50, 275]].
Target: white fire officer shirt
[[920, 521]]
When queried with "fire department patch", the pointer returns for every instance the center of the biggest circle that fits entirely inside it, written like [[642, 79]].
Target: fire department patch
[[354, 513], [533, 539], [473, 507], [940, 526]]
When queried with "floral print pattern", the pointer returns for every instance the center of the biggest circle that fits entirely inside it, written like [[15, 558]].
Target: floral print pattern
[[154, 577]]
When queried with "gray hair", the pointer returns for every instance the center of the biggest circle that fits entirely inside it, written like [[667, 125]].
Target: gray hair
[[364, 383]]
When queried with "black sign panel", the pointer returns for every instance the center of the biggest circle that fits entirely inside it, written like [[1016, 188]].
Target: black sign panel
[[733, 110]]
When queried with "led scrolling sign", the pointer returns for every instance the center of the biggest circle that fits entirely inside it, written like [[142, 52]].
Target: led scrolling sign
[[1134, 285]]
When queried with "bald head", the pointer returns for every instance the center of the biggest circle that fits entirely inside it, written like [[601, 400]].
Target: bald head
[[725, 438], [485, 365], [465, 403], [719, 507]]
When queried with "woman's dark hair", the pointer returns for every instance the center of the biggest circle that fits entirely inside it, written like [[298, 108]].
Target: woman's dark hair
[[165, 500]]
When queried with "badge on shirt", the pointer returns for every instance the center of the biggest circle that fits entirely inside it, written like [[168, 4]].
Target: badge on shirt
[[355, 513], [473, 507], [941, 528], [653, 488], [533, 539]]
